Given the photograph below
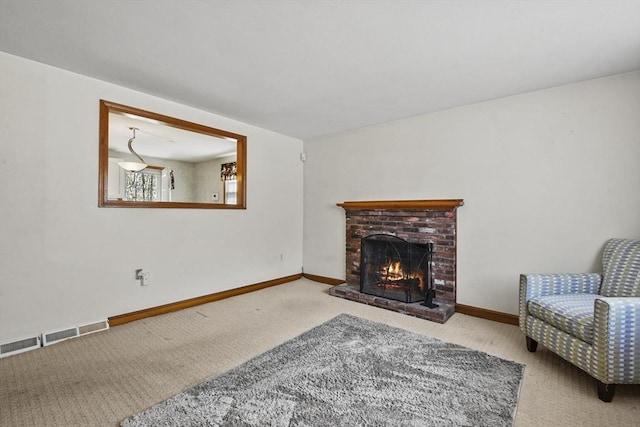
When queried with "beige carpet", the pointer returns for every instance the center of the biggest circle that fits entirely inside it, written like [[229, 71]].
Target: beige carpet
[[100, 379]]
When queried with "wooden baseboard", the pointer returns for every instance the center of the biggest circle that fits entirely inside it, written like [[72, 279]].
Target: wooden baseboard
[[121, 319], [484, 313], [179, 305], [323, 279], [469, 310]]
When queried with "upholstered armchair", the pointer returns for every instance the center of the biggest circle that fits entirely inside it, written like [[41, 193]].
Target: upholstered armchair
[[591, 320]]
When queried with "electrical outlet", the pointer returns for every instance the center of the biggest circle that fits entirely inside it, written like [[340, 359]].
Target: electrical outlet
[[281, 257], [146, 279]]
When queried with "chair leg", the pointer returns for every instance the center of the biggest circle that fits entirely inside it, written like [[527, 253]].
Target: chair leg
[[605, 391], [532, 344]]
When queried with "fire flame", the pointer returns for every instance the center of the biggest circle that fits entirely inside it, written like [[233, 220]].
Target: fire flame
[[394, 268], [394, 273]]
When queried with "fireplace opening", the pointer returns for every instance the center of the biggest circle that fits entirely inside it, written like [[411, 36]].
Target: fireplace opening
[[392, 268]]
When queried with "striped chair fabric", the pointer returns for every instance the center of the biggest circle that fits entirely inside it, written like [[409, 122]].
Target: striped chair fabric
[[621, 267]]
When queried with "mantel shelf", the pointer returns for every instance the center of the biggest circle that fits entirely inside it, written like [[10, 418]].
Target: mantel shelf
[[444, 204]]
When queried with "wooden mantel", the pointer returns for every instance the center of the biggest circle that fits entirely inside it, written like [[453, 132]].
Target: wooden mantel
[[443, 204]]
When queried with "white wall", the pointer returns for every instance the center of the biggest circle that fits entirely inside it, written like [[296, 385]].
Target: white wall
[[64, 261], [546, 177]]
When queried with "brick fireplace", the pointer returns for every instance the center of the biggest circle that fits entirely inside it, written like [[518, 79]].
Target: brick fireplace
[[421, 222]]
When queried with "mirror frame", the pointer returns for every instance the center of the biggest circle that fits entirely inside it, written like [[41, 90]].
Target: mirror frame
[[107, 107]]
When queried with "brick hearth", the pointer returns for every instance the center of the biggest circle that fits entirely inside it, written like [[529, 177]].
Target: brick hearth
[[416, 221]]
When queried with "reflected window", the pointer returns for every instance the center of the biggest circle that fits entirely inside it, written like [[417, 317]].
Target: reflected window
[[231, 191], [142, 186]]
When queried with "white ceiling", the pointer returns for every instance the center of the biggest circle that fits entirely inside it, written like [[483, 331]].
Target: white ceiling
[[311, 68]]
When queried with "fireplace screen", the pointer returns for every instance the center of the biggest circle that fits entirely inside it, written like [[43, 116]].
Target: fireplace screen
[[393, 268]]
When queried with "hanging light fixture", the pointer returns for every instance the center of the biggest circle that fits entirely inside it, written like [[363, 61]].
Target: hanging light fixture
[[133, 166]]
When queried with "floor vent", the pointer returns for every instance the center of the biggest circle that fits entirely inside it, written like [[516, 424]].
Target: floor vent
[[93, 327], [49, 338], [19, 346], [57, 336]]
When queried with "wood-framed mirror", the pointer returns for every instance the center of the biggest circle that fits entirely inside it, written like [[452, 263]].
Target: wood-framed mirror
[[149, 160]]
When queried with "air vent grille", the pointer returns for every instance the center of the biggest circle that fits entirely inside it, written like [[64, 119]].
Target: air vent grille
[[54, 337], [93, 327], [19, 346]]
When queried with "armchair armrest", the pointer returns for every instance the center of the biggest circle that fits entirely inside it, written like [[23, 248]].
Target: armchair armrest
[[538, 285], [616, 332]]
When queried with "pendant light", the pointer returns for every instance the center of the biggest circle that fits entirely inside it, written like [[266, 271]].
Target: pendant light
[[133, 166]]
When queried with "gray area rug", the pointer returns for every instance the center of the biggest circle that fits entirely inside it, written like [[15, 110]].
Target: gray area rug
[[352, 372]]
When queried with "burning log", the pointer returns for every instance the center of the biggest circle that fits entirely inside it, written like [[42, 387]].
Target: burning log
[[411, 282]]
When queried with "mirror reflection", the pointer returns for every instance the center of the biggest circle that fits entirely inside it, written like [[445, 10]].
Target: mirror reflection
[[151, 160]]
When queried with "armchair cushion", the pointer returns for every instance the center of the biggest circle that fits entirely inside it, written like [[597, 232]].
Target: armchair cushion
[[571, 313], [621, 268]]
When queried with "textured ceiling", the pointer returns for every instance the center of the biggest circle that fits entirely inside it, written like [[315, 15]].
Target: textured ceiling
[[307, 69]]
